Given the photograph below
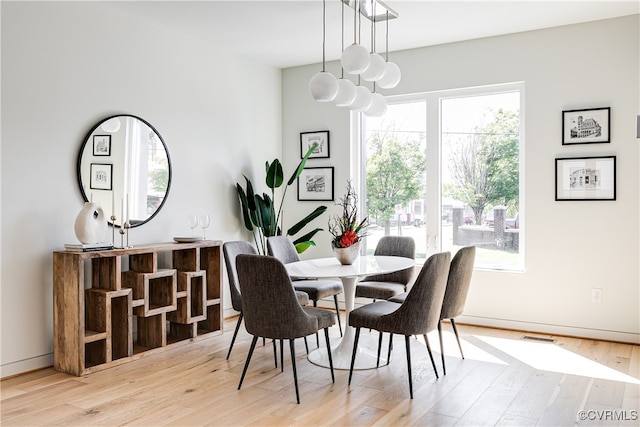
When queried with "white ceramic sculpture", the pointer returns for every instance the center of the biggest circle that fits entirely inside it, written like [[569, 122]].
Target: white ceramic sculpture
[[91, 224]]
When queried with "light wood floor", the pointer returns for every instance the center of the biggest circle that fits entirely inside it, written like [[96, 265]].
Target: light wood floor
[[504, 380]]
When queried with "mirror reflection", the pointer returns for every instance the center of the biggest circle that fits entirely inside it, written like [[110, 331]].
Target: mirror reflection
[[124, 165]]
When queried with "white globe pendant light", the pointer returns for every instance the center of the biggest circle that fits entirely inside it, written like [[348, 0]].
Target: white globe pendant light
[[391, 76], [323, 87], [346, 93], [363, 99], [111, 125], [377, 107], [376, 68], [355, 59]]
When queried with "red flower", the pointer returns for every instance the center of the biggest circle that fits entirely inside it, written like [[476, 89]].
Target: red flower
[[348, 238]]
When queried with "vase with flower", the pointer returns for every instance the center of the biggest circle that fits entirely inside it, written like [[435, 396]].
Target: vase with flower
[[347, 230]]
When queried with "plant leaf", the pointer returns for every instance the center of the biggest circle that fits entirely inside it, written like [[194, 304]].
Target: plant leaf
[[275, 174], [306, 220], [307, 237], [300, 167], [244, 203], [303, 246], [250, 194]]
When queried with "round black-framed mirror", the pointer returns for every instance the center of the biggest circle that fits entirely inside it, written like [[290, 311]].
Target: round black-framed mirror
[[124, 164]]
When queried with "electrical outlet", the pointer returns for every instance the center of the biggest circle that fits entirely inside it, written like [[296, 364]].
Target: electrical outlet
[[596, 295]]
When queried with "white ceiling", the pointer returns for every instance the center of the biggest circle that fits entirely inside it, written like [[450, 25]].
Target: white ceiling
[[289, 33]]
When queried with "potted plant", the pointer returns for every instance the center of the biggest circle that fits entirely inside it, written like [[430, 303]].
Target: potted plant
[[261, 215], [346, 229]]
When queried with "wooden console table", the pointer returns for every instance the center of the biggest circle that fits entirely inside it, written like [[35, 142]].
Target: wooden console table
[[104, 316]]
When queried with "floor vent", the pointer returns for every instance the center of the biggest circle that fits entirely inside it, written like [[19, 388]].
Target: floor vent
[[549, 340]]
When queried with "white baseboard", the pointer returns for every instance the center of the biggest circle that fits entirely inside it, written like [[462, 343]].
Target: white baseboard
[[22, 366], [597, 334]]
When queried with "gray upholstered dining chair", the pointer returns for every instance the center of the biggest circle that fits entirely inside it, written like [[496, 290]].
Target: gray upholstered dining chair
[[231, 250], [272, 310], [418, 314], [283, 249], [385, 286], [455, 296]]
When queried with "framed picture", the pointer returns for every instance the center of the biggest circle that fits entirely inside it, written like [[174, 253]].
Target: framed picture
[[307, 139], [589, 126], [101, 176], [316, 184], [101, 145], [586, 178]]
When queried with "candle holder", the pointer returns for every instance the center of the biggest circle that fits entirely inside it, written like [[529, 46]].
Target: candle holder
[[127, 226], [121, 237], [113, 229]]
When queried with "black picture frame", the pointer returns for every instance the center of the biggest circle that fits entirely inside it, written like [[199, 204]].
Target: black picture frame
[[101, 176], [101, 145], [316, 184], [307, 139], [586, 126], [586, 178]]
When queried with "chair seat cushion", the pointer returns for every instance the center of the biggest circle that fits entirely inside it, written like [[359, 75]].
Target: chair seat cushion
[[325, 318], [318, 289], [371, 315], [379, 290], [303, 297], [399, 298]]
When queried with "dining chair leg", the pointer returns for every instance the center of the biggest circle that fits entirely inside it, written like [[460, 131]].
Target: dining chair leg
[[444, 368], [390, 348], [353, 355], [379, 348], [326, 337], [235, 334], [293, 364], [315, 304], [335, 299], [408, 350], [433, 363], [306, 345], [455, 331], [281, 356], [246, 364], [275, 354]]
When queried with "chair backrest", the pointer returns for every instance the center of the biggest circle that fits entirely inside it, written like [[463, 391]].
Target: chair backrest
[[231, 250], [420, 311], [269, 303], [403, 246], [283, 249], [458, 282]]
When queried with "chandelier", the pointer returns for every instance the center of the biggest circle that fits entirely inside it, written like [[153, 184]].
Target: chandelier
[[358, 61]]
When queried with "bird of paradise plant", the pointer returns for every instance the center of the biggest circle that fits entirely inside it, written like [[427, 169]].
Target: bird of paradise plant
[[264, 219]]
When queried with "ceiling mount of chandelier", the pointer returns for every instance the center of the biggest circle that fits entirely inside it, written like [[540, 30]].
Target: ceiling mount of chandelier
[[359, 61]]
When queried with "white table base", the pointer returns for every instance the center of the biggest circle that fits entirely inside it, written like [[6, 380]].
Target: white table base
[[341, 354]]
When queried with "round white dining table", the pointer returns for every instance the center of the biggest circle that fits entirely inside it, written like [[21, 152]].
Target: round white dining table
[[328, 268]]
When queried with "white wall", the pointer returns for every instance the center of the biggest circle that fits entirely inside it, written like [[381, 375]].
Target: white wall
[[66, 66], [570, 247]]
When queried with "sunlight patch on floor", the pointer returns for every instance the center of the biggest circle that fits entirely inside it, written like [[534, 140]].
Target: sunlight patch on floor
[[550, 357], [451, 348]]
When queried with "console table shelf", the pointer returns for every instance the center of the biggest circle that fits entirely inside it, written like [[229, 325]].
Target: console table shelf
[[104, 316]]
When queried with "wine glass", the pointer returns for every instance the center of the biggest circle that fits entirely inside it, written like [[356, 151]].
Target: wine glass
[[192, 222], [205, 221]]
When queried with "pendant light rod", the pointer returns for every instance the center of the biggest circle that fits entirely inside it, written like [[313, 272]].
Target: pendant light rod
[[386, 48], [323, 34]]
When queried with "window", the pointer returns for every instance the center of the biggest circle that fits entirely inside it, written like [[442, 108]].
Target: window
[[445, 168]]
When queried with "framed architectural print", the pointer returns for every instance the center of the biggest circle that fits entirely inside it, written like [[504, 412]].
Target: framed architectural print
[[307, 139], [101, 176], [101, 145], [316, 184], [586, 126], [586, 178]]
